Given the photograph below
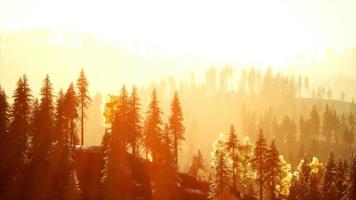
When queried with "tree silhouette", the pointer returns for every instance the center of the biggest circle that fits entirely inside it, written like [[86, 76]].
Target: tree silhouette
[[40, 179], [17, 141], [273, 171], [327, 124], [259, 161], [341, 179], [197, 167], [65, 184], [153, 127], [246, 171], [233, 147], [116, 180], [314, 122], [351, 191], [219, 187], [176, 125], [84, 100], [330, 178], [4, 122], [135, 124], [4, 109]]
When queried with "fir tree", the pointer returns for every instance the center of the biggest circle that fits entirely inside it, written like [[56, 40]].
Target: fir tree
[[273, 170], [176, 125], [153, 128], [247, 173], [38, 185], [219, 187], [135, 124], [4, 109], [316, 174], [330, 179], [116, 180], [65, 183], [260, 161], [19, 131], [314, 122], [351, 191], [84, 100], [341, 179], [327, 124], [4, 122], [197, 167], [164, 175], [71, 113], [233, 146]]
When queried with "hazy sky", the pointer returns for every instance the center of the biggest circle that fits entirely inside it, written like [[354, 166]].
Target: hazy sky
[[266, 30], [260, 32]]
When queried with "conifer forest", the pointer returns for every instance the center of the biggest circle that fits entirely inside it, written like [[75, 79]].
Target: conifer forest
[[177, 100]]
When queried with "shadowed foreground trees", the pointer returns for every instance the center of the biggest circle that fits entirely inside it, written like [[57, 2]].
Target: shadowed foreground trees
[[39, 138]]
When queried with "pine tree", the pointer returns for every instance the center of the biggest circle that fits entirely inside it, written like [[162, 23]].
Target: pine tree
[[135, 124], [197, 168], [304, 131], [348, 137], [247, 173], [327, 124], [19, 131], [4, 122], [176, 125], [219, 187], [273, 170], [351, 191], [233, 146], [304, 172], [164, 175], [330, 179], [315, 179], [65, 185], [259, 161], [4, 109], [341, 179], [71, 113], [84, 100], [314, 122], [38, 183], [153, 128], [116, 180]]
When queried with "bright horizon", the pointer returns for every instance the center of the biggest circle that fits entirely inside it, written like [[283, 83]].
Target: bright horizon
[[175, 38], [262, 32]]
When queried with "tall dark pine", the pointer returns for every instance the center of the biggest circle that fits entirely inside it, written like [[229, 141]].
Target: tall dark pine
[[116, 180], [176, 125], [260, 161], [62, 161], [153, 127], [342, 178], [304, 179], [40, 178], [84, 100], [274, 171], [327, 123], [4, 109], [197, 165], [17, 140], [351, 192], [314, 123], [330, 179], [135, 123], [71, 114], [233, 146]]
